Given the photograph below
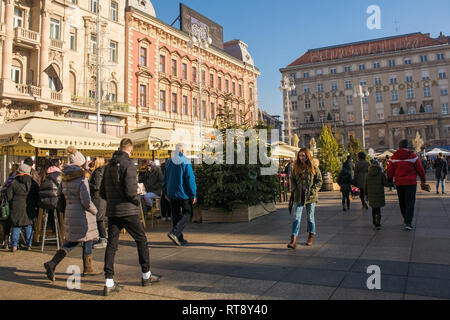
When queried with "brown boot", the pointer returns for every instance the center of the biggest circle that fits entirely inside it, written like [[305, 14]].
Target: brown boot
[[293, 243], [87, 266], [310, 241]]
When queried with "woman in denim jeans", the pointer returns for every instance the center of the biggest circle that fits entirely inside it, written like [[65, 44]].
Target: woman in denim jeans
[[306, 182]]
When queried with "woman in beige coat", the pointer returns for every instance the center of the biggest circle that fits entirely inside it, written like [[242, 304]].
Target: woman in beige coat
[[80, 221]]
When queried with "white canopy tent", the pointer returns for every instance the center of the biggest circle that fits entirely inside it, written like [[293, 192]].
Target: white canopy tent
[[436, 151]]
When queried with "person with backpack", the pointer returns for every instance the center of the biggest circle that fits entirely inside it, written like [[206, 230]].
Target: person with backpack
[[441, 170], [374, 187], [95, 182], [50, 189], [79, 220], [361, 170], [344, 180], [23, 195], [404, 167], [119, 189]]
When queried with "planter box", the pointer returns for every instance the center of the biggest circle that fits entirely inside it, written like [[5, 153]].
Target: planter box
[[239, 213]]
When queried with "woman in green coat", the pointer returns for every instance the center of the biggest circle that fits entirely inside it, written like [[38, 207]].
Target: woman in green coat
[[374, 186], [306, 182]]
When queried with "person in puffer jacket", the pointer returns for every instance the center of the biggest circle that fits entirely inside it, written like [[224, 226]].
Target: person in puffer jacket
[[80, 222], [404, 168]]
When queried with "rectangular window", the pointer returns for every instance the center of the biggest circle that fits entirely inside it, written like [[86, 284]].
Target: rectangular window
[[376, 65], [113, 51], [18, 18], [306, 75], [143, 57], [347, 69], [174, 103], [321, 104], [318, 72], [408, 61], [428, 108], [174, 67], [240, 90], [219, 83], [363, 83], [307, 104], [162, 100], [55, 27], [380, 114], [143, 96], [444, 108], [94, 6], [365, 99], [378, 81], [227, 83], [334, 86], [442, 75], [114, 11], [73, 39], [213, 111], [409, 78], [203, 77], [444, 91], [250, 90], [234, 88], [185, 105], [211, 80], [162, 64], [348, 84], [194, 74], [306, 90], [93, 44], [320, 87], [333, 71], [349, 100], [350, 116], [362, 67], [440, 56], [410, 94], [394, 95], [195, 107], [427, 92], [204, 109], [379, 96], [423, 59], [393, 80], [16, 74], [392, 63], [184, 71], [425, 75]]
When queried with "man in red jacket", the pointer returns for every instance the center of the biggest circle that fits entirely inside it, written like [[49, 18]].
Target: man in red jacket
[[404, 167]]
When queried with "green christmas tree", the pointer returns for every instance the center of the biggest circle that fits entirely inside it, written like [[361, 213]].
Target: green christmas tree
[[226, 185], [353, 148], [329, 149]]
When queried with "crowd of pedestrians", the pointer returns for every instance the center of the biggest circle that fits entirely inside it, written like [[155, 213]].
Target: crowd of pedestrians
[[99, 199]]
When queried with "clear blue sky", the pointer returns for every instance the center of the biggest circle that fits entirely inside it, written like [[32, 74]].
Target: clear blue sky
[[278, 32]]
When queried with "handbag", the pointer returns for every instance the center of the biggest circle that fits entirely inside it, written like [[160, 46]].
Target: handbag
[[5, 210]]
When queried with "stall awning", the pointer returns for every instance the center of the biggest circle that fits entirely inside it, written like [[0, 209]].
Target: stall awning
[[283, 150], [40, 131], [153, 138]]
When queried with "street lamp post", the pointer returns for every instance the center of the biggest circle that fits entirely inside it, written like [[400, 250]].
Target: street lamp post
[[361, 93], [199, 37], [287, 84]]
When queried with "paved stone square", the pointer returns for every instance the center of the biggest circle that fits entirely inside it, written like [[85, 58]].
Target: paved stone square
[[251, 261]]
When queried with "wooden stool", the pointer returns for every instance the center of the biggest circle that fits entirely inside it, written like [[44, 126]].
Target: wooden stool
[[156, 211], [41, 228]]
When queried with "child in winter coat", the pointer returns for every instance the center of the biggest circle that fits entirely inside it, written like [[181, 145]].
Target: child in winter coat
[[375, 183]]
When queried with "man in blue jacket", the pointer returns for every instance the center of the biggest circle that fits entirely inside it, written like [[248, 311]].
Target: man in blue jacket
[[181, 190]]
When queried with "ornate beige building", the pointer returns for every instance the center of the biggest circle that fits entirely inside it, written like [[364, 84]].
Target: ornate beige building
[[49, 61], [405, 81]]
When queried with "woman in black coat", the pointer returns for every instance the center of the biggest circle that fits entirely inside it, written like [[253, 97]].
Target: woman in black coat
[[94, 185], [345, 182], [23, 196]]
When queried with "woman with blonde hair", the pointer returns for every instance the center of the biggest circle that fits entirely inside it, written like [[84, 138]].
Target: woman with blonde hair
[[306, 181], [98, 169]]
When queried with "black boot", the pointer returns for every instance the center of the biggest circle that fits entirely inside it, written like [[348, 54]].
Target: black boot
[[50, 266]]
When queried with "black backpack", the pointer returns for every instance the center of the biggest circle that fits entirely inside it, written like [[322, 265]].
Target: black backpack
[[48, 194]]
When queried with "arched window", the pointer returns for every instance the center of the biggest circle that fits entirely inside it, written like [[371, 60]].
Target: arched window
[[112, 94], [73, 83], [16, 71]]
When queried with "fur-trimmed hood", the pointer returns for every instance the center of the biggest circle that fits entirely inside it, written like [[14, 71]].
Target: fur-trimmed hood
[[72, 172]]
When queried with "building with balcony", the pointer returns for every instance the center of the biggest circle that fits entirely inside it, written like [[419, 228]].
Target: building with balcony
[[406, 78], [162, 75], [50, 50], [271, 120]]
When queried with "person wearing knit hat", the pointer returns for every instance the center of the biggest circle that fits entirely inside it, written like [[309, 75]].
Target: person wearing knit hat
[[24, 168], [80, 223]]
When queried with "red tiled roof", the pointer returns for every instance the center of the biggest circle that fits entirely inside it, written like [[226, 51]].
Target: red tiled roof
[[365, 48]]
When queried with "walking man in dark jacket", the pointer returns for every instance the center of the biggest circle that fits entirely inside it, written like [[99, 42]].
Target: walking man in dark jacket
[[404, 167], [440, 165], [181, 190], [361, 170], [119, 189]]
